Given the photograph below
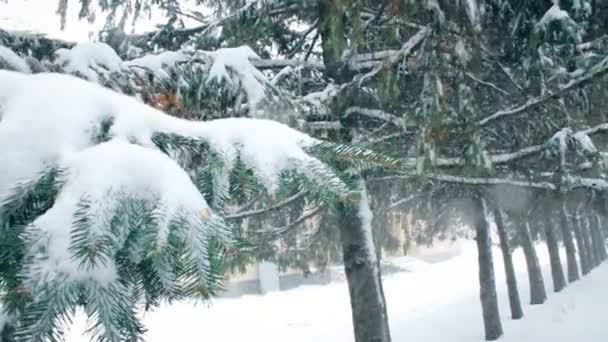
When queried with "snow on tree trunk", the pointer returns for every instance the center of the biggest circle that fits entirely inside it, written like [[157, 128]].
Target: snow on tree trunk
[[538, 294], [487, 283], [514, 299], [569, 245], [598, 237], [557, 271], [580, 244], [361, 265]]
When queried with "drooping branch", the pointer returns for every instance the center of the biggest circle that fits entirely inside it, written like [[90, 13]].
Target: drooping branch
[[573, 182], [597, 71], [473, 180], [505, 158]]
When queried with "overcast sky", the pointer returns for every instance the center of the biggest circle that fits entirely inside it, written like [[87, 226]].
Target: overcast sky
[[39, 16]]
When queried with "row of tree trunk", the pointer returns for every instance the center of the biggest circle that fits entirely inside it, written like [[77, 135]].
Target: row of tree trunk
[[581, 232], [583, 237]]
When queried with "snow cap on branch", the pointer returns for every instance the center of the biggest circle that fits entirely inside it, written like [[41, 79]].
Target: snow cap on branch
[[71, 120], [13, 61], [100, 182], [98, 176], [88, 59]]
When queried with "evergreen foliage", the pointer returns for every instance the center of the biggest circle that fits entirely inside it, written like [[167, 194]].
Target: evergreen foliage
[[491, 97]]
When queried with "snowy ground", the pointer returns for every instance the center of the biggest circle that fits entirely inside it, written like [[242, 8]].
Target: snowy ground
[[429, 304]]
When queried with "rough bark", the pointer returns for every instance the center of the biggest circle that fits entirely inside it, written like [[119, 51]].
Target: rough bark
[[370, 319], [557, 271], [580, 245], [538, 294], [569, 245], [487, 282], [514, 298]]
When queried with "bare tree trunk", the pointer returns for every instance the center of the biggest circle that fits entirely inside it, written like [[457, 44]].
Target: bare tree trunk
[[599, 239], [580, 244], [514, 299], [557, 271], [538, 294], [569, 245], [370, 319], [361, 264], [588, 238], [487, 282]]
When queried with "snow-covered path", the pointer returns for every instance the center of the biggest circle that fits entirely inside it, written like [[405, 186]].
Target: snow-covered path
[[432, 304]]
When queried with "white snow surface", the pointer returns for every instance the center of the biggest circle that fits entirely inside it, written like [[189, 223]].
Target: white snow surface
[[584, 142], [237, 60], [13, 60], [156, 63], [107, 171], [84, 56], [553, 14], [435, 303], [55, 124]]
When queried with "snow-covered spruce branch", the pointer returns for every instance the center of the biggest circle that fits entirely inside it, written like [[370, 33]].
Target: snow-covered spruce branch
[[102, 183], [501, 158], [473, 180], [228, 72], [597, 71], [505, 158], [34, 44], [571, 182], [281, 63]]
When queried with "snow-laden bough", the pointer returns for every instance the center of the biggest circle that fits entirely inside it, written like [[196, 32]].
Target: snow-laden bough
[[96, 186]]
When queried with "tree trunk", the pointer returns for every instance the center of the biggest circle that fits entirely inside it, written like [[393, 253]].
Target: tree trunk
[[487, 283], [599, 239], [370, 319], [514, 299], [538, 294], [557, 271], [361, 264], [569, 245], [580, 244], [588, 239]]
